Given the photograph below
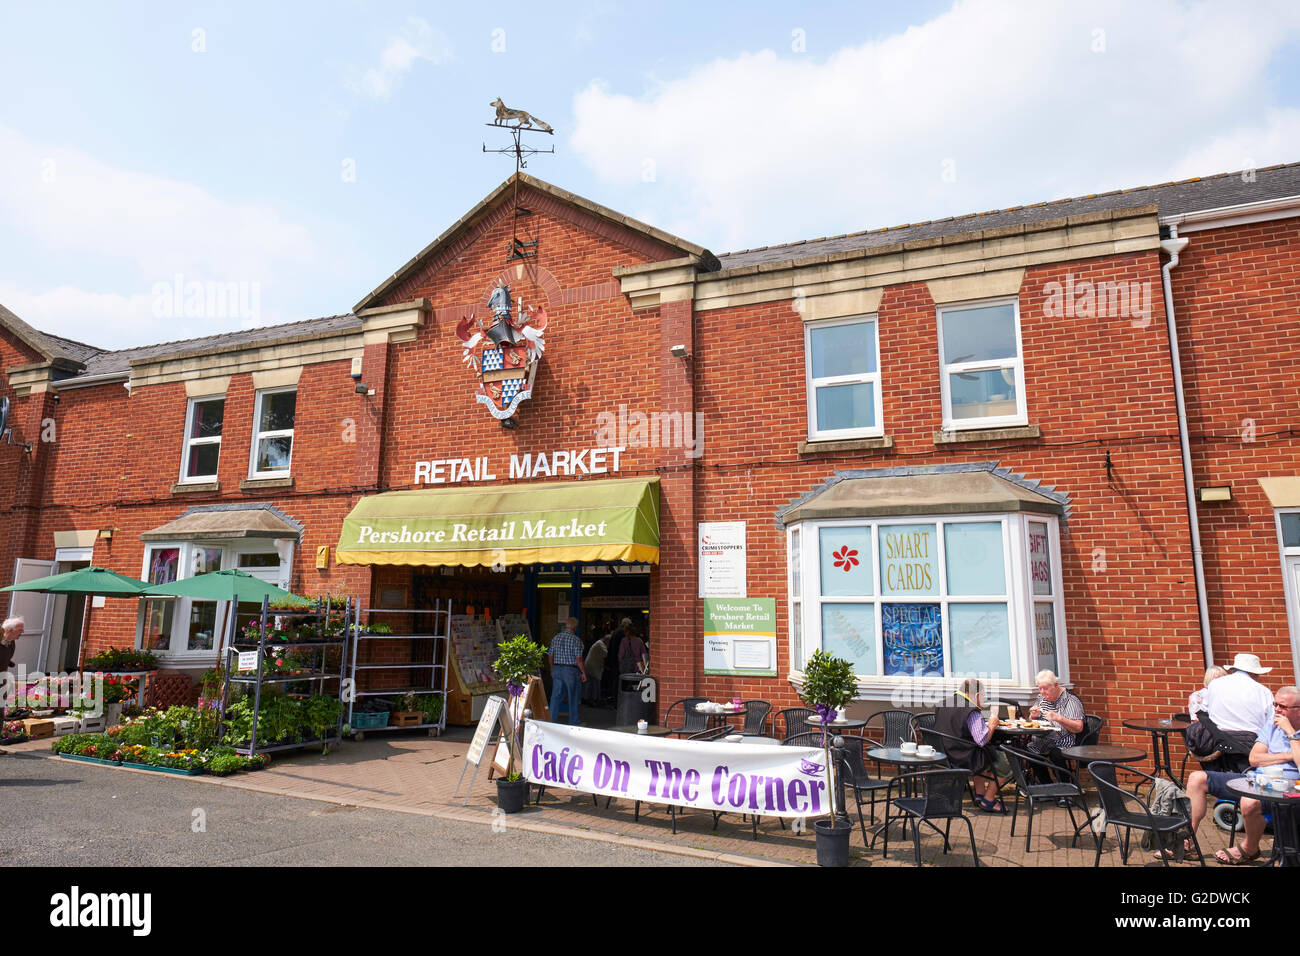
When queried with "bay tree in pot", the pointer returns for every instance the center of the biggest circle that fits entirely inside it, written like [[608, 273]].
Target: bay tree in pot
[[519, 660], [828, 686]]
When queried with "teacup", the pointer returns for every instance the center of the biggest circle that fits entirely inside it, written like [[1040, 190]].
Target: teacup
[[733, 738], [908, 747], [925, 750]]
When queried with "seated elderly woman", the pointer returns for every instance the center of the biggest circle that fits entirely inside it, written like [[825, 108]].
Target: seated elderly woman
[[1196, 702], [961, 718]]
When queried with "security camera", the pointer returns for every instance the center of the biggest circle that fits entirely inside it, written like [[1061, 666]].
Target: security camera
[[678, 351]]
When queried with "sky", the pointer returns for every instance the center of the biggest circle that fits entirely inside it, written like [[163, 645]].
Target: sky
[[305, 151]]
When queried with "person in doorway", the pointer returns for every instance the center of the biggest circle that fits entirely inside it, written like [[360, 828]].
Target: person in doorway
[[632, 653], [567, 675], [611, 658], [1276, 752], [13, 629], [594, 667]]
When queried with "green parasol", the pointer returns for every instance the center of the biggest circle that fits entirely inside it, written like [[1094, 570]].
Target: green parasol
[[85, 581], [228, 585]]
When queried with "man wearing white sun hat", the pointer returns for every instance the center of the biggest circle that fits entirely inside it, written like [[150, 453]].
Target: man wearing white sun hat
[[1238, 702]]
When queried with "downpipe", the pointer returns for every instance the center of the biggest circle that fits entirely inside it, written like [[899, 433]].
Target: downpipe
[[1174, 245]]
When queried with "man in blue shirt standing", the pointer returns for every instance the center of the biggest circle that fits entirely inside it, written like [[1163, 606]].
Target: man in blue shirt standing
[[567, 675]]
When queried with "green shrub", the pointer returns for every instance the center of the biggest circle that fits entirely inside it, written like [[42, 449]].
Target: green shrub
[[122, 659]]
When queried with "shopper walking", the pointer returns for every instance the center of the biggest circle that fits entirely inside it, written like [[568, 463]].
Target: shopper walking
[[567, 675]]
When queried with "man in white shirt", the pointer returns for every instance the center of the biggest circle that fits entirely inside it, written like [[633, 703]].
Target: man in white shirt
[[1238, 702]]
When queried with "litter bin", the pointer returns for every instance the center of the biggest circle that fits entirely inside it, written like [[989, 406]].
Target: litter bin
[[637, 694]]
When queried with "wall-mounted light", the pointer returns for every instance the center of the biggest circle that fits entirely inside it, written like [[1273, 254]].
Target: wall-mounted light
[[679, 351], [106, 534], [361, 388], [1223, 493]]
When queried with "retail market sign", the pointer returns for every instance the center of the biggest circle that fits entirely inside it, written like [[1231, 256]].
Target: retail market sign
[[565, 463], [609, 519]]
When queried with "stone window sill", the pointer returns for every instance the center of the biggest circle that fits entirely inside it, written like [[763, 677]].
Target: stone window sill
[[987, 434], [196, 487], [848, 444], [259, 484]]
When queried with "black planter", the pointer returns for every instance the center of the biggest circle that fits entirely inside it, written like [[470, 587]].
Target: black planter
[[833, 842], [512, 795]]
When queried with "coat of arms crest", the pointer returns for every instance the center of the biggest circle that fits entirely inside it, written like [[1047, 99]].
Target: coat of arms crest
[[504, 355]]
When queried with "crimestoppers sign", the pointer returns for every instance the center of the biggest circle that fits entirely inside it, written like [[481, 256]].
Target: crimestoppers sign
[[728, 778]]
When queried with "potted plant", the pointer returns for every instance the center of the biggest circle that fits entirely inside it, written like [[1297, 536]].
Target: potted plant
[[519, 660], [407, 713], [828, 686]]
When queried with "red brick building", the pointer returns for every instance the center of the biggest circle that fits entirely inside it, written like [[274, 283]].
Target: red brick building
[[955, 447]]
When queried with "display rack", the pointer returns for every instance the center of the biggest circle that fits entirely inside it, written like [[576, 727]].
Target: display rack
[[317, 673], [428, 652]]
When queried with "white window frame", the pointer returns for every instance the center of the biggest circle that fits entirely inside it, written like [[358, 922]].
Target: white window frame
[[190, 442], [281, 433], [812, 384], [1019, 598], [1290, 558], [230, 552], [1021, 417]]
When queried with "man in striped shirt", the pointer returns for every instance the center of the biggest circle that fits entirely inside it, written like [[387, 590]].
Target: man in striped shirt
[[567, 674], [1058, 705]]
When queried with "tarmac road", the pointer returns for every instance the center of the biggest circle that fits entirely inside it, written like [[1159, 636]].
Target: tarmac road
[[64, 813]]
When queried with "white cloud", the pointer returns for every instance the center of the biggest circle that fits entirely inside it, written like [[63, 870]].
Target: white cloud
[[417, 40], [987, 105], [139, 230]]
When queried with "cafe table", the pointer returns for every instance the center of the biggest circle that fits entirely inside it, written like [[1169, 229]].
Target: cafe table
[[1283, 806], [1020, 733], [1160, 728], [721, 715], [653, 730], [743, 739], [839, 723]]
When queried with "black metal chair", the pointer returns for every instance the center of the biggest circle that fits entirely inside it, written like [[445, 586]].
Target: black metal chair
[[858, 778], [923, 722], [1182, 768], [926, 797], [713, 733], [1121, 813], [1046, 792], [692, 720], [808, 738], [941, 743], [1091, 734], [792, 721], [895, 725], [756, 712]]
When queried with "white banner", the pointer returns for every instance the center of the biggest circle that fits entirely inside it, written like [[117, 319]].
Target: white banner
[[728, 778]]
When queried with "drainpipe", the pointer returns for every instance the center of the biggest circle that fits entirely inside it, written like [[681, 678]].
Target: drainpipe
[[1175, 245]]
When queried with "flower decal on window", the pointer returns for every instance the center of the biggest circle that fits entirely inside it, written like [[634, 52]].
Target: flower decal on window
[[845, 558]]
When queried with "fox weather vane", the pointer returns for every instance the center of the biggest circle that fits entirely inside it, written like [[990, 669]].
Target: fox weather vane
[[517, 121]]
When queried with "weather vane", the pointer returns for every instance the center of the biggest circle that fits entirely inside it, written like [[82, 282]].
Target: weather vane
[[516, 121]]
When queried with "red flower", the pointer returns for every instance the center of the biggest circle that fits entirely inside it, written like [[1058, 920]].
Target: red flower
[[110, 680], [845, 558]]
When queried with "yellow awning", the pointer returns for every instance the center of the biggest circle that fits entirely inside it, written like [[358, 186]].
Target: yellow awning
[[548, 523]]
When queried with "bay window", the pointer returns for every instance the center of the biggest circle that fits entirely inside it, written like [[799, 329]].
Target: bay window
[[982, 377], [184, 629], [938, 596]]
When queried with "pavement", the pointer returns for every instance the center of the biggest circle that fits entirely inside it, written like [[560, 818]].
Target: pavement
[[141, 818], [403, 773]]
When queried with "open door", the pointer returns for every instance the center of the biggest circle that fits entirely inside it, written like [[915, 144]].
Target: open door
[[36, 610]]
